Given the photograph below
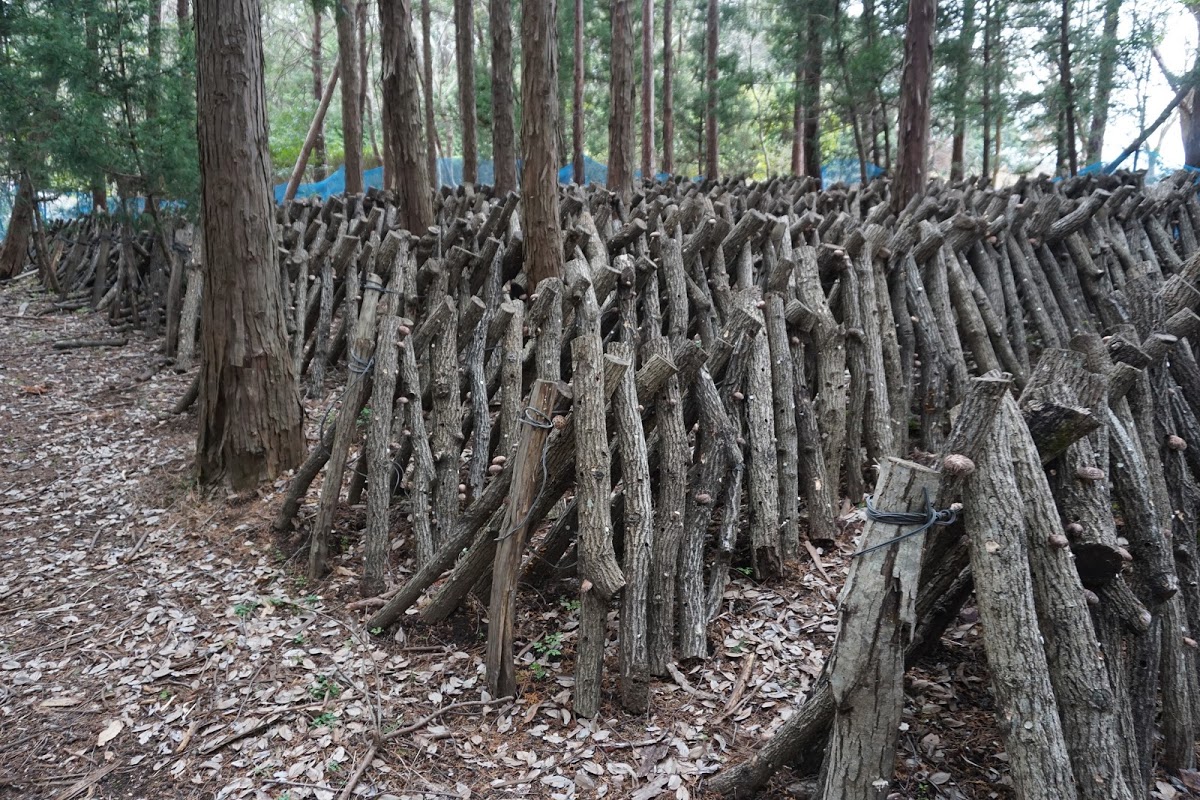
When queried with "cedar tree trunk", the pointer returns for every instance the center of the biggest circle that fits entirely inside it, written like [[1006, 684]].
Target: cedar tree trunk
[[504, 146], [405, 152], [915, 83], [464, 50], [352, 137], [711, 151], [250, 420], [620, 120], [539, 131]]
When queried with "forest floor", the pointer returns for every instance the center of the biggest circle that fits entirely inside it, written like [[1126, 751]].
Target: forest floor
[[155, 642]]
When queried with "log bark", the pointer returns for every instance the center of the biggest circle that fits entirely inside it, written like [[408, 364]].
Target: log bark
[[379, 437], [876, 617], [1025, 704]]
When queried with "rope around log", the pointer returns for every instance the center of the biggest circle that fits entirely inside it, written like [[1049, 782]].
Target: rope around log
[[926, 519]]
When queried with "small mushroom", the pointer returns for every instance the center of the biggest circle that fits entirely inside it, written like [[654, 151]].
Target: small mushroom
[[1091, 597], [1059, 541], [703, 499], [1074, 529], [1176, 443], [957, 465]]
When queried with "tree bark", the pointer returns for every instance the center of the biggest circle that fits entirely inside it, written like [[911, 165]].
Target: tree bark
[[315, 134], [504, 147], [405, 155], [577, 98], [621, 99], [668, 157], [250, 422], [876, 619], [431, 138], [915, 84], [711, 147], [962, 78], [464, 51], [539, 132], [1025, 705], [647, 90], [1071, 161], [815, 43], [14, 250], [320, 159], [352, 133], [1105, 70]]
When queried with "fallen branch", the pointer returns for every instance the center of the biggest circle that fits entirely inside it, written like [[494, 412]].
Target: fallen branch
[[77, 344], [423, 721]]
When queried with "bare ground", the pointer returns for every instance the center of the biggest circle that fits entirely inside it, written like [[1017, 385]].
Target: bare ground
[[156, 642]]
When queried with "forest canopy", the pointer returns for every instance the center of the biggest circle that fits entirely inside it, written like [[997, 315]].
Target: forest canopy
[[97, 96]]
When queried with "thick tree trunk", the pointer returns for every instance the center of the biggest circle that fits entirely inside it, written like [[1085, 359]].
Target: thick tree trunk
[[915, 84], [962, 79], [577, 98], [464, 51], [711, 148], [621, 91], [405, 154], [1189, 113], [431, 138], [15, 247], [352, 137], [504, 147], [668, 158], [250, 422], [539, 131], [1105, 70], [798, 119], [647, 89], [320, 159]]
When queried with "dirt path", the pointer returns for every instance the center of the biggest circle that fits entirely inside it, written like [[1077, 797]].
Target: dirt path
[[156, 644]]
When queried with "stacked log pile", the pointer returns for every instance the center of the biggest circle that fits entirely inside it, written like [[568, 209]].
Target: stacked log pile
[[717, 368]]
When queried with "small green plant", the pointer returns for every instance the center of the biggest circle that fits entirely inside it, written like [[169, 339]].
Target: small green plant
[[364, 416], [376, 630], [311, 600], [569, 604], [747, 571], [164, 695], [539, 671], [298, 639], [325, 720], [333, 766], [324, 688], [549, 645], [244, 610]]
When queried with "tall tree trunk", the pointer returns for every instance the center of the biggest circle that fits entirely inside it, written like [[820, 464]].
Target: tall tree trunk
[[320, 159], [915, 83], [250, 422], [647, 89], [986, 103], [153, 56], [711, 150], [15, 246], [352, 137], [464, 51], [668, 159], [577, 98], [798, 118], [364, 77], [962, 78], [182, 13], [431, 137], [504, 146], [405, 152], [1068, 88], [1189, 113], [1105, 70], [813, 64], [539, 132], [620, 119]]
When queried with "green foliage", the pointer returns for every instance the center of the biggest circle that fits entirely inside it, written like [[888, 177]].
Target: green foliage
[[325, 688], [90, 98]]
